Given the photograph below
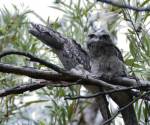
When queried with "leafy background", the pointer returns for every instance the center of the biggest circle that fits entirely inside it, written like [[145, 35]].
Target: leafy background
[[79, 18]]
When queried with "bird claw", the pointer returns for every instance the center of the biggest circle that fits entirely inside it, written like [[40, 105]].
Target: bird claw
[[79, 70], [107, 76]]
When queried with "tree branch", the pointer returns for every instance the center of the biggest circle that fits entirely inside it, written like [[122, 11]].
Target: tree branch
[[105, 92], [31, 87], [71, 77], [33, 73], [136, 94], [125, 6], [47, 75], [20, 89], [33, 58], [40, 84], [125, 81]]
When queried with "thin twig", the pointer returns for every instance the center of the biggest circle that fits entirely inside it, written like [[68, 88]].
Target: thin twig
[[31, 87], [37, 85], [125, 6], [21, 89], [104, 93], [124, 107], [136, 94]]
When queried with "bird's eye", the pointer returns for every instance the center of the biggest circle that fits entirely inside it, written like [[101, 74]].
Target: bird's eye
[[91, 35], [105, 36]]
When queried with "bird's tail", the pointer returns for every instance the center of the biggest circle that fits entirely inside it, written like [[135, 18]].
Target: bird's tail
[[103, 107], [101, 102], [122, 99]]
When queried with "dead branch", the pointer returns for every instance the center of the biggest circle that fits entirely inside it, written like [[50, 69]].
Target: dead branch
[[71, 77], [59, 78], [31, 72], [47, 75], [124, 81]]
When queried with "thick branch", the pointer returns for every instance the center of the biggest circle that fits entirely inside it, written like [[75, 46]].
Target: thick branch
[[31, 72], [47, 75], [125, 6], [70, 77], [125, 81]]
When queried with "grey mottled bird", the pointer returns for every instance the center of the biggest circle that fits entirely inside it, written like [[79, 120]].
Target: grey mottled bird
[[107, 62]]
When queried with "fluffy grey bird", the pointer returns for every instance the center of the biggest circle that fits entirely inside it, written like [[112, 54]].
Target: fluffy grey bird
[[107, 62]]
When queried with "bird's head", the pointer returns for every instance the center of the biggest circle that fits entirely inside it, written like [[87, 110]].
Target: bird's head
[[98, 40]]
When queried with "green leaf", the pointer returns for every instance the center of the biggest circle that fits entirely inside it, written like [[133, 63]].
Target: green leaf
[[42, 123], [133, 49], [70, 110], [132, 63], [139, 110], [144, 3]]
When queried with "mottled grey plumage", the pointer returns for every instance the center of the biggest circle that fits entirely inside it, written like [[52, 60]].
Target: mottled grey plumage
[[68, 50], [70, 54], [107, 62], [106, 59]]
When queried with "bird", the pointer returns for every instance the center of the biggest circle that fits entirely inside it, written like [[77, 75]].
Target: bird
[[107, 63]]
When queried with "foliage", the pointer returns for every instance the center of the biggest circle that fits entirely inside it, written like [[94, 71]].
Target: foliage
[[80, 17]]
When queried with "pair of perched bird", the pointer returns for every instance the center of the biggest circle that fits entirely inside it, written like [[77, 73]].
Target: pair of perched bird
[[106, 61]]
